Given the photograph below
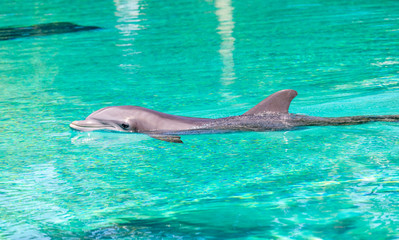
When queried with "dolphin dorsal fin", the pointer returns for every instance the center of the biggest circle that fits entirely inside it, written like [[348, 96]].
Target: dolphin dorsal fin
[[278, 102]]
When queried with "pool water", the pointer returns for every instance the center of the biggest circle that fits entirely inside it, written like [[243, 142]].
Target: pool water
[[204, 58]]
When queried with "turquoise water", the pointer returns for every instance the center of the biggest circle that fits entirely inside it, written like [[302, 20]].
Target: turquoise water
[[200, 58]]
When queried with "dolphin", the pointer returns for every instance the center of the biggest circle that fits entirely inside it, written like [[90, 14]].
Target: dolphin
[[42, 30], [271, 114]]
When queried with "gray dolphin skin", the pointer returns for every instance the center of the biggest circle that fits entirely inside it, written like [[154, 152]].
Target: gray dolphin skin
[[42, 30], [269, 115]]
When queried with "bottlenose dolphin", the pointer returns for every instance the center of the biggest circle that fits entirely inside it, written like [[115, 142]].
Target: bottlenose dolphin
[[42, 30], [271, 114]]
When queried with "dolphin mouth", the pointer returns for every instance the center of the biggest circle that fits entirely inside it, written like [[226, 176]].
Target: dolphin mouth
[[90, 125]]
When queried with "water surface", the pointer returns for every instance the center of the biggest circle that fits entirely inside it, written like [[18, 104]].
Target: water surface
[[202, 59]]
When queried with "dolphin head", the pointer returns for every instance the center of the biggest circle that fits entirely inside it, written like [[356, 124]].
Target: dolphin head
[[117, 118]]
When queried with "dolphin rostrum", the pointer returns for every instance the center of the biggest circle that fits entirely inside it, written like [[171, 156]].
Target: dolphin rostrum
[[271, 114], [43, 29]]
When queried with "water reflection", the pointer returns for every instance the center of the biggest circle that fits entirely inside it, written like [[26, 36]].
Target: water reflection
[[128, 12], [225, 29]]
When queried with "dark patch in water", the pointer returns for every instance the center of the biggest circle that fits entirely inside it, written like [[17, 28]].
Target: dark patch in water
[[163, 228], [42, 30]]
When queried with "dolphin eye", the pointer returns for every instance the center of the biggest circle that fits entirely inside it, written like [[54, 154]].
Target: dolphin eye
[[125, 125]]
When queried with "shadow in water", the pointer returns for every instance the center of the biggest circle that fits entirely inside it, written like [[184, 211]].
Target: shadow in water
[[161, 228], [44, 29]]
